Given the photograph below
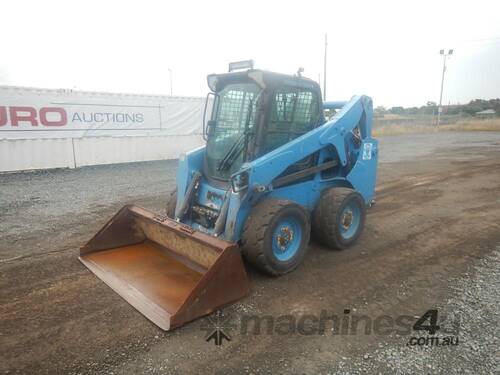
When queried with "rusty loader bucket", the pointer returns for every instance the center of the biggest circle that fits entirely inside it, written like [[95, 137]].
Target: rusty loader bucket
[[169, 272]]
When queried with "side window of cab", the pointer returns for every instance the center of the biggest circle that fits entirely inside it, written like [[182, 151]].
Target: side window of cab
[[294, 111]]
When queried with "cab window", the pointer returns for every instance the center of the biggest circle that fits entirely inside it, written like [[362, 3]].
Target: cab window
[[294, 111]]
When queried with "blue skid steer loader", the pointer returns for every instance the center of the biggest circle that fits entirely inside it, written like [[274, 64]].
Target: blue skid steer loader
[[272, 171]]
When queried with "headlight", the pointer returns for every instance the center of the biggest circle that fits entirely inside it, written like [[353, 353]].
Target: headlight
[[239, 182]]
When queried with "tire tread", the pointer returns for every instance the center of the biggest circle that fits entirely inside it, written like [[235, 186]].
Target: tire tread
[[254, 232], [325, 217]]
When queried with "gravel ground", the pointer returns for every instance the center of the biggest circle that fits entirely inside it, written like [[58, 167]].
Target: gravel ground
[[430, 242], [474, 304], [46, 196]]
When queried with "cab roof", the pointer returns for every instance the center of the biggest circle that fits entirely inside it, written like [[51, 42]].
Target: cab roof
[[263, 78]]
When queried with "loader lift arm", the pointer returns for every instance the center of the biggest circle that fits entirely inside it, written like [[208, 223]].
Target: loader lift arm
[[264, 174], [264, 170]]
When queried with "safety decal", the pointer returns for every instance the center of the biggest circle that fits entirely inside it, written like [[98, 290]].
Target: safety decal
[[367, 151]]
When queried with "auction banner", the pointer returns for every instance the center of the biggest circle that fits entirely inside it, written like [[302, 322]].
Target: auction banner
[[44, 113]]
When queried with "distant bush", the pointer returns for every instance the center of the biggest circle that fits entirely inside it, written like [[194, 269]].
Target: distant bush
[[456, 109]]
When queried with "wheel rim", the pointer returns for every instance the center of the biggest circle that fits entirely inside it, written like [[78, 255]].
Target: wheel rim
[[350, 218], [287, 237]]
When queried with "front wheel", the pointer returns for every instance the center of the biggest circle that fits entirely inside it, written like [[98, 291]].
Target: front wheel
[[276, 236], [339, 217]]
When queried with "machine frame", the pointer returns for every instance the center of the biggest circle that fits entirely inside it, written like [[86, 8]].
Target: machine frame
[[346, 157]]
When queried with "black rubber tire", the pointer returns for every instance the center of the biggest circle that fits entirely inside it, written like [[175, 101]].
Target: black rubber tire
[[171, 203], [258, 230], [326, 217]]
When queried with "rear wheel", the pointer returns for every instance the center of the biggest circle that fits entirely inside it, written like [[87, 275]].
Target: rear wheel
[[276, 236], [171, 203], [339, 218]]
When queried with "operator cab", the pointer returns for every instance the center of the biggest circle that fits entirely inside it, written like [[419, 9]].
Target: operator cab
[[252, 113]]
